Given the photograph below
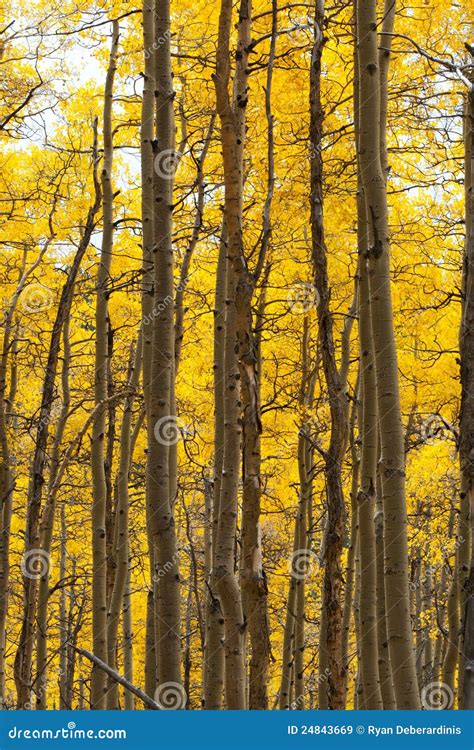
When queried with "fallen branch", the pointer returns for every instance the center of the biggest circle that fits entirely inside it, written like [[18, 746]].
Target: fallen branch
[[117, 677]]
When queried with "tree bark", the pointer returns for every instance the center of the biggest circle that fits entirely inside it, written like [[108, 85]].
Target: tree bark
[[332, 598], [121, 546], [99, 484], [162, 427], [388, 393], [232, 119], [466, 352]]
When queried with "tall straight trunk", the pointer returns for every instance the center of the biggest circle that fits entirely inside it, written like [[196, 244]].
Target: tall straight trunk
[[99, 484], [291, 694], [286, 684], [354, 533], [63, 624], [466, 447], [371, 696], [463, 548], [46, 533], [161, 469], [427, 609], [358, 675], [448, 675], [253, 579], [304, 472], [127, 627], [416, 610], [232, 119], [109, 442], [388, 393], [332, 598], [213, 675], [440, 618], [121, 531], [146, 152], [385, 669], [371, 693]]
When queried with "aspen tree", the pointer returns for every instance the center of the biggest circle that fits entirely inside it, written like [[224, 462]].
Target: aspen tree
[[292, 689], [232, 119], [162, 424], [354, 533], [336, 384], [370, 681], [386, 367], [371, 694], [46, 531], [146, 163], [121, 521], [466, 351], [385, 671], [99, 541], [213, 675], [253, 579]]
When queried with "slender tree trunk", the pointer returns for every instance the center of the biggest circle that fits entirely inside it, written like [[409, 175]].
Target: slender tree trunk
[[385, 670], [451, 656], [63, 624], [371, 693], [46, 533], [332, 599], [285, 695], [253, 579], [147, 137], [291, 692], [354, 533], [388, 394], [162, 427], [99, 484], [358, 675], [304, 471], [232, 121], [427, 620], [121, 532], [213, 677], [466, 448], [127, 625]]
